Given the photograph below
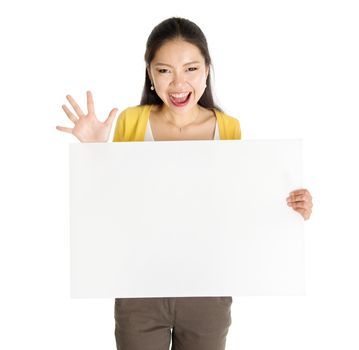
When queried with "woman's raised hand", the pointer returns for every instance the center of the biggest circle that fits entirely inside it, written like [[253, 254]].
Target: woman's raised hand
[[301, 202], [87, 127]]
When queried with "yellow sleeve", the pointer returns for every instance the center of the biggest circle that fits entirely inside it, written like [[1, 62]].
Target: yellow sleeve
[[238, 134], [119, 128]]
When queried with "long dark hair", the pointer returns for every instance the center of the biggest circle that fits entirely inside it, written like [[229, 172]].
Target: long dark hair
[[170, 29]]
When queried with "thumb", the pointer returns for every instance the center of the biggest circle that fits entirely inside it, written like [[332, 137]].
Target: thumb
[[111, 116]]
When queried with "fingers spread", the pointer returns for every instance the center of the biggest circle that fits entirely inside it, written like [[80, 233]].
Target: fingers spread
[[75, 106], [111, 116], [69, 114], [62, 128], [90, 103]]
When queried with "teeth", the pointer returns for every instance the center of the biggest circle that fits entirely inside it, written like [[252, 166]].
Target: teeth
[[183, 94]]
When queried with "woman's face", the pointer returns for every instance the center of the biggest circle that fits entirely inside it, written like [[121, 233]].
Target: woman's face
[[178, 73]]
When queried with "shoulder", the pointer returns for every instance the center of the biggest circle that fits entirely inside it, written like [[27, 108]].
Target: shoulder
[[227, 117], [134, 111], [229, 125], [130, 122]]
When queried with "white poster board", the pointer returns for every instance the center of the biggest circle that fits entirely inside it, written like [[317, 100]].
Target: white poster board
[[185, 218]]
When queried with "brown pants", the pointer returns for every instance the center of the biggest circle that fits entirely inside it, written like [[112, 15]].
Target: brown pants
[[192, 323]]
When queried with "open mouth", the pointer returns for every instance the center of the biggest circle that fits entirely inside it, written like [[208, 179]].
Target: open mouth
[[180, 99]]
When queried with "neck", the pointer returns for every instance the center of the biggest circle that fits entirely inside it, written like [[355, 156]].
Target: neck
[[181, 119]]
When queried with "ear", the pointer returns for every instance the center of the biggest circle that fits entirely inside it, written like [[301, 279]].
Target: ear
[[207, 72], [149, 72]]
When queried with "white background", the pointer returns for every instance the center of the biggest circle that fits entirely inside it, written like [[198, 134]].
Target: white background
[[285, 69]]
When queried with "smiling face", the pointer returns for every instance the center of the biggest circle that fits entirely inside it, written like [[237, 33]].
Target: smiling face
[[178, 73]]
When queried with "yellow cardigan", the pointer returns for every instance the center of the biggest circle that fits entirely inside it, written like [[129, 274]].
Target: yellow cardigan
[[132, 122]]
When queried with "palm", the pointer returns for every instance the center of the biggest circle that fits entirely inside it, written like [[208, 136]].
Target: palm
[[90, 129], [87, 127]]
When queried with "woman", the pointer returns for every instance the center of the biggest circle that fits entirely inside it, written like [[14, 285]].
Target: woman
[[176, 104]]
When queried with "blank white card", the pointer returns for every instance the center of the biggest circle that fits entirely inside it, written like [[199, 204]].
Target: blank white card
[[185, 218]]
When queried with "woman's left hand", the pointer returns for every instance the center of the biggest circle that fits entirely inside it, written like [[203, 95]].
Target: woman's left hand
[[301, 201]]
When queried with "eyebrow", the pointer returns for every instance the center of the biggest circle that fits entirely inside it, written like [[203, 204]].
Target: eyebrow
[[186, 64]]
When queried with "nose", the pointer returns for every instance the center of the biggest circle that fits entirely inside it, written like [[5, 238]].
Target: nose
[[178, 79]]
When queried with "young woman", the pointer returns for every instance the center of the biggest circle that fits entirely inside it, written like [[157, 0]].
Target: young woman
[[176, 104]]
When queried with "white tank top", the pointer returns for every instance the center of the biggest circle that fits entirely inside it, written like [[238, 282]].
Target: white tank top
[[149, 136]]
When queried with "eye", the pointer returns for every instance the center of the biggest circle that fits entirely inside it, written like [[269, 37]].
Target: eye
[[192, 69], [163, 70]]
